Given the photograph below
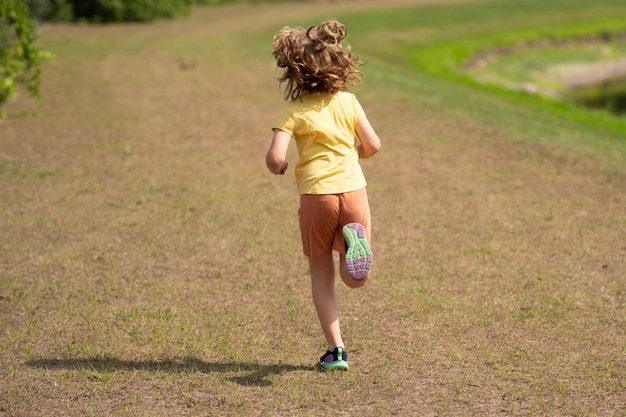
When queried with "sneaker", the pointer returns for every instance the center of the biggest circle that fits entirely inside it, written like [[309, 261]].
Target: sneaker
[[335, 360], [358, 253]]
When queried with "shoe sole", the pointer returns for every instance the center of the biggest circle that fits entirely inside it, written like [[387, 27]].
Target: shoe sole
[[333, 366], [359, 257]]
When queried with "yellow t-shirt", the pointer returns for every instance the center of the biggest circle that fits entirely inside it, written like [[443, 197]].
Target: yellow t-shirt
[[323, 126]]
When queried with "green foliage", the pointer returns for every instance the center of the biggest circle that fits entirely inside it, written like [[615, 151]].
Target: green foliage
[[19, 59], [128, 10], [51, 10], [103, 11]]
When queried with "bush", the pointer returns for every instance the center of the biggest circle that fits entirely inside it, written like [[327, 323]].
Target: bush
[[103, 11], [53, 10], [19, 59], [145, 10]]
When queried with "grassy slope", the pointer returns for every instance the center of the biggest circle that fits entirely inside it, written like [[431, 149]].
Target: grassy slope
[[152, 267], [438, 40]]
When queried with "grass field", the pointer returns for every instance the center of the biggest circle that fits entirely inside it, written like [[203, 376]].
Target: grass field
[[150, 265]]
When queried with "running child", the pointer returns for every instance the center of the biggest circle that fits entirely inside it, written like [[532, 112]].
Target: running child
[[331, 132]]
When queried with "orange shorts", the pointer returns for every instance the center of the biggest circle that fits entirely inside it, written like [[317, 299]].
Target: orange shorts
[[322, 216]]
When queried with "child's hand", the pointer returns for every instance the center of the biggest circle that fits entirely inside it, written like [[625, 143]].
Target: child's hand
[[283, 168]]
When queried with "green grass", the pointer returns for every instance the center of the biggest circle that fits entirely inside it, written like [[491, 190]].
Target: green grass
[[530, 64], [439, 40]]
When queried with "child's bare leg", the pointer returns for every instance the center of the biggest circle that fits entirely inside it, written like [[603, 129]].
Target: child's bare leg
[[345, 275], [325, 299]]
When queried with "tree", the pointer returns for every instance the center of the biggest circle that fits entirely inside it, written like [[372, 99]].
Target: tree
[[19, 59]]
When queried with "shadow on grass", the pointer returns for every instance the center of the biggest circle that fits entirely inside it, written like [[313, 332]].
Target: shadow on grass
[[255, 374]]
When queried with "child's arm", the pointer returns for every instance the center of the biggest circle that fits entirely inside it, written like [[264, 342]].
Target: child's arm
[[370, 142], [276, 158]]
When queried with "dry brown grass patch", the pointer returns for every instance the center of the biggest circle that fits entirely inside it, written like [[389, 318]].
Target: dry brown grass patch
[[151, 266]]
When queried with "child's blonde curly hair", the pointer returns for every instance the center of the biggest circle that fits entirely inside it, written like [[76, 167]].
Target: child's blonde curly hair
[[315, 60]]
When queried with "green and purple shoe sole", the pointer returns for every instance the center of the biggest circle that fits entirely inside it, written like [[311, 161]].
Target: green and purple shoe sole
[[359, 257]]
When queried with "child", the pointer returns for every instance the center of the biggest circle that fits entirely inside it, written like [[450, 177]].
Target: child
[[325, 120]]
